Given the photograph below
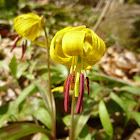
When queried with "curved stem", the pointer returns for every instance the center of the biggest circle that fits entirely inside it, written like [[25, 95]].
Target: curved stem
[[49, 87], [72, 118]]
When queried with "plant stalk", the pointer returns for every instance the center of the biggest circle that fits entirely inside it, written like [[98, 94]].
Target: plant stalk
[[49, 87], [72, 118]]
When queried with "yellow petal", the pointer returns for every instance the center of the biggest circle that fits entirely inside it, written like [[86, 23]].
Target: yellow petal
[[87, 44], [56, 48], [57, 89], [72, 43], [79, 28], [62, 60], [31, 33], [87, 64], [40, 43], [97, 51]]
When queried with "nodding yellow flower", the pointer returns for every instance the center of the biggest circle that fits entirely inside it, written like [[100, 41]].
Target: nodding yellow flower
[[78, 48], [28, 26]]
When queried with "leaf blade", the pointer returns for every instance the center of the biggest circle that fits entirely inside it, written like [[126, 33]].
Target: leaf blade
[[105, 120], [18, 130]]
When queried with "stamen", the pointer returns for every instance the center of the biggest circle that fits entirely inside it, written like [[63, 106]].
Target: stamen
[[81, 107], [24, 48], [73, 80], [80, 98], [64, 86], [66, 97], [87, 81], [15, 43]]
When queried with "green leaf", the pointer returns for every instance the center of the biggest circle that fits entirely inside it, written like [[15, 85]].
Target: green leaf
[[3, 65], [14, 105], [82, 120], [136, 116], [111, 81], [132, 89], [25, 93], [3, 119], [105, 120], [62, 69], [43, 116], [137, 79], [32, 67], [67, 120], [41, 85], [13, 66], [85, 134], [43, 89], [44, 137], [18, 130], [28, 75], [119, 101], [21, 68]]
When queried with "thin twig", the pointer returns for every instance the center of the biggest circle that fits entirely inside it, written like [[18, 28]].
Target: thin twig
[[102, 15], [99, 5]]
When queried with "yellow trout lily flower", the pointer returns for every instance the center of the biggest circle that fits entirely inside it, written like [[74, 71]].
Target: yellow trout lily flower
[[28, 26], [79, 48]]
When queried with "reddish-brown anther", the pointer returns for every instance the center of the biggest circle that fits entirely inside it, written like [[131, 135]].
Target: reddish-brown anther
[[81, 107], [87, 81], [72, 80], [66, 96], [64, 86], [15, 43], [80, 98], [24, 45]]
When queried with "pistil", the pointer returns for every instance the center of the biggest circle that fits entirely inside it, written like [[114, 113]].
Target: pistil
[[80, 98]]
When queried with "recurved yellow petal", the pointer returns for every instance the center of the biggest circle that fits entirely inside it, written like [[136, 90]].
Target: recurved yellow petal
[[72, 43], [57, 89], [87, 44], [40, 43], [54, 55]]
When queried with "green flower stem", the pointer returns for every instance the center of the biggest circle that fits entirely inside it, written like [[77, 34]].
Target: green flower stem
[[72, 118], [49, 88]]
